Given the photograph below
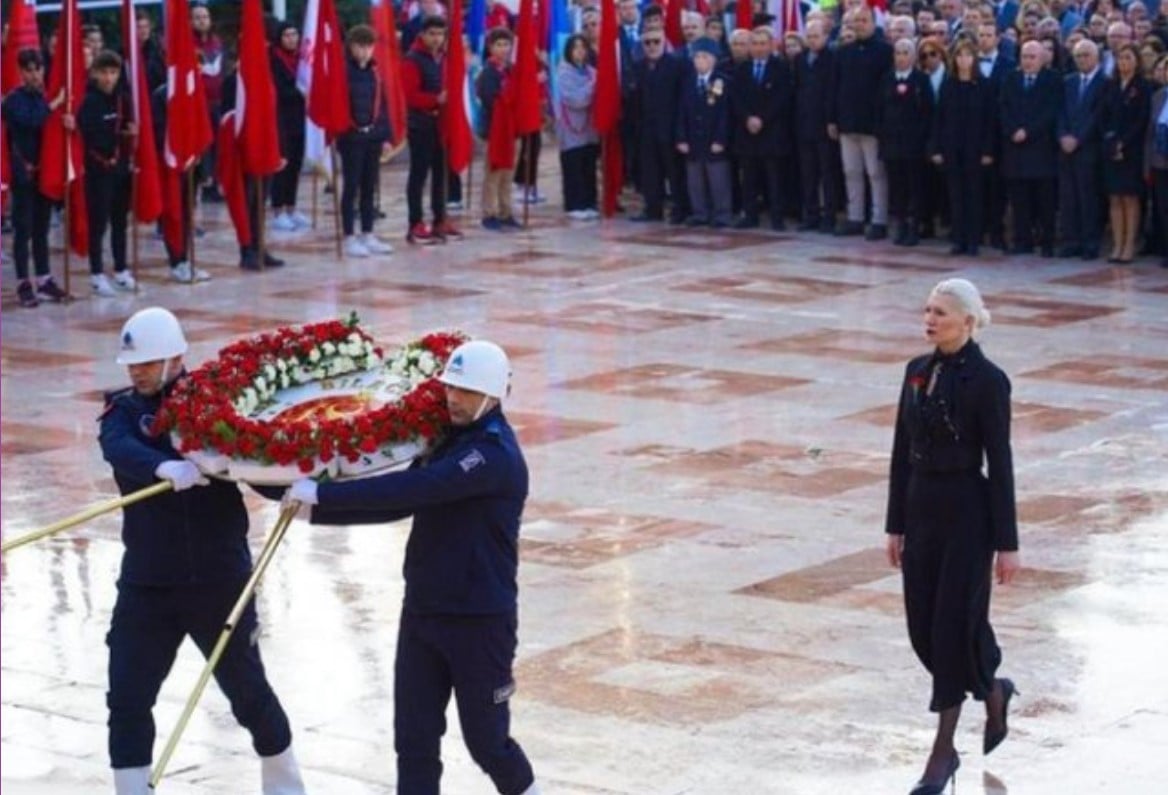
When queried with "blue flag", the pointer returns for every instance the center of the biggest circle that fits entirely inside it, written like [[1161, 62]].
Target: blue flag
[[476, 20], [559, 30]]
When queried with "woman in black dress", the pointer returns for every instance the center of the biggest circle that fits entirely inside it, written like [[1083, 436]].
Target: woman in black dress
[[1124, 126], [950, 526], [962, 142]]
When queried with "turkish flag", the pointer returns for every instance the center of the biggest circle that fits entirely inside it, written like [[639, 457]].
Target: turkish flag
[[188, 123], [455, 126], [255, 98], [673, 21], [22, 35], [147, 185], [328, 92], [62, 152], [388, 57], [607, 108], [744, 14], [229, 171], [528, 117]]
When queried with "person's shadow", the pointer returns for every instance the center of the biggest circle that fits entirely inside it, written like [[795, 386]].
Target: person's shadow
[[992, 784]]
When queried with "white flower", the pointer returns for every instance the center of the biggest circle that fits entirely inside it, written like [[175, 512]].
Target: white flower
[[426, 363], [314, 355], [328, 348], [355, 337], [285, 382], [270, 371], [281, 365], [261, 385]]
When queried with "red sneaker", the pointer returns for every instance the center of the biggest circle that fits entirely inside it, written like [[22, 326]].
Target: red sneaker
[[421, 235], [444, 228]]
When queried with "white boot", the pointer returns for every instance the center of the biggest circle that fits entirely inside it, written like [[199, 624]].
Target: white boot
[[132, 780], [280, 774], [532, 790]]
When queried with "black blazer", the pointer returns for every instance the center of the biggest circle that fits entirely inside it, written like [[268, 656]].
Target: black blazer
[[964, 126], [904, 116], [772, 100], [703, 119], [859, 68], [1126, 117], [972, 428], [1035, 111], [290, 103], [1082, 117], [656, 85], [813, 86]]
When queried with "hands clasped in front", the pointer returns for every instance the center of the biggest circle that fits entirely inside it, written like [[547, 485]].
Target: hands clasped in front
[[1007, 564]]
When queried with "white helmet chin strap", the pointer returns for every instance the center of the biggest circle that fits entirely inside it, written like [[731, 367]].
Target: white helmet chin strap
[[482, 408], [164, 374]]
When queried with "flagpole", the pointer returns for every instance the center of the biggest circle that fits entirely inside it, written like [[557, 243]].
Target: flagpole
[[134, 227], [332, 147], [468, 191], [604, 176], [68, 145], [260, 219], [315, 188], [188, 214], [526, 177]]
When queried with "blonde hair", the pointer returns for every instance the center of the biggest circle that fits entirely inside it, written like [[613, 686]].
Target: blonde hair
[[967, 297]]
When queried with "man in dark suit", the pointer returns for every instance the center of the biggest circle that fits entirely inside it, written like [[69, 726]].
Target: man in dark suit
[[994, 65], [703, 137], [819, 157], [761, 102], [1029, 114], [1005, 13], [629, 37], [1080, 137], [656, 83]]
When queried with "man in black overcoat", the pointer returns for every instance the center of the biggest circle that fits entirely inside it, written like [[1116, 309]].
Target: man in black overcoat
[[1080, 137]]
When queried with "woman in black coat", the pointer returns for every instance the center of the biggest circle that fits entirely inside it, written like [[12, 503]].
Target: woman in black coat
[[902, 128], [1125, 124], [950, 525], [962, 142], [290, 116]]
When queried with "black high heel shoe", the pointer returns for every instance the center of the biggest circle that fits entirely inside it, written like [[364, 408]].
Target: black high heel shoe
[[924, 787], [991, 740]]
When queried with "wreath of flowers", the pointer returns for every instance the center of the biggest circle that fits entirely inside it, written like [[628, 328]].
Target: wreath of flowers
[[209, 409]]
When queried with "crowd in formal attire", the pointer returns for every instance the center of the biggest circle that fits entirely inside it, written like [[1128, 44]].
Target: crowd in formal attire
[[1033, 128]]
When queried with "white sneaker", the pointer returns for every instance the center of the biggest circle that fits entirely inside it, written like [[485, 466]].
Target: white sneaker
[[454, 206], [132, 780], [301, 220], [284, 223], [374, 245], [123, 280], [101, 286], [578, 215], [592, 215], [355, 248], [535, 197], [182, 273], [280, 774]]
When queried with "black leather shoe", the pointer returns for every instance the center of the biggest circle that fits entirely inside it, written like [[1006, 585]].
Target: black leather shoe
[[1066, 252], [925, 787], [827, 226], [877, 232], [250, 262], [693, 220], [999, 242], [272, 261], [746, 223], [777, 225], [809, 225], [1020, 249], [958, 249], [1047, 252], [849, 229], [991, 740], [1090, 254]]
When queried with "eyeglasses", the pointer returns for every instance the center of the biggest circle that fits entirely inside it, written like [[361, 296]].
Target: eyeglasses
[[930, 54], [652, 42]]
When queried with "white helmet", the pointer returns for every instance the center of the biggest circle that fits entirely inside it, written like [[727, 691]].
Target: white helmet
[[479, 366], [151, 335]]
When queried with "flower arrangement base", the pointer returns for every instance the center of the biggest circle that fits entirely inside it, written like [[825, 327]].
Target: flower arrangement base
[[277, 474], [386, 458]]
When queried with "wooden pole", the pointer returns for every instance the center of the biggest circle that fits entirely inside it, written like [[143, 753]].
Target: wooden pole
[[468, 188], [189, 221], [133, 221], [526, 177], [87, 514], [69, 65], [261, 219], [315, 187], [265, 558], [336, 198]]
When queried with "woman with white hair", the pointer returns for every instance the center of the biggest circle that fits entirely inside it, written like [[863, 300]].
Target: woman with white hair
[[951, 518]]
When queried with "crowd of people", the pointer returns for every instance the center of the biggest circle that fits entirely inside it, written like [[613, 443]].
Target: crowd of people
[[1031, 128]]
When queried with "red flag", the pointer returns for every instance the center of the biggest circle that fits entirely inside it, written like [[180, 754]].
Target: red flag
[[606, 110], [188, 123], [388, 56], [673, 22], [63, 153], [22, 35], [172, 219], [255, 98], [328, 93], [528, 118], [745, 14], [147, 186], [229, 171], [455, 126]]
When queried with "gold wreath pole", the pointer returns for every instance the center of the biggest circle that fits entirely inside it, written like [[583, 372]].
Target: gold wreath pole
[[269, 550], [90, 513]]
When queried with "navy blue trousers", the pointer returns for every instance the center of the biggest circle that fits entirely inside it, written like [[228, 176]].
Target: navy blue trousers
[[149, 624], [470, 656]]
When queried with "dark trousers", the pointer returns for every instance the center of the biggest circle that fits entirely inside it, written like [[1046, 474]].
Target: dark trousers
[[1079, 198], [818, 172], [579, 176], [30, 225], [656, 164], [287, 180], [966, 201], [256, 189], [107, 200], [453, 187], [631, 152], [936, 196], [148, 626], [360, 162], [175, 257], [529, 147], [760, 178], [735, 185], [682, 206], [427, 161], [994, 196], [471, 657], [790, 193], [1033, 201], [906, 187], [709, 190]]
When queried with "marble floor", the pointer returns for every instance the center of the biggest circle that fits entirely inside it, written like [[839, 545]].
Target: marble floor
[[705, 605]]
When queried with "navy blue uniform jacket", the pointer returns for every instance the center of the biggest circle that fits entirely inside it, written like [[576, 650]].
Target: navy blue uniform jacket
[[178, 538], [704, 119], [466, 498]]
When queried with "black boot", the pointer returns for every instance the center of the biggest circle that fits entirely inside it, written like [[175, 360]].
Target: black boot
[[911, 238]]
